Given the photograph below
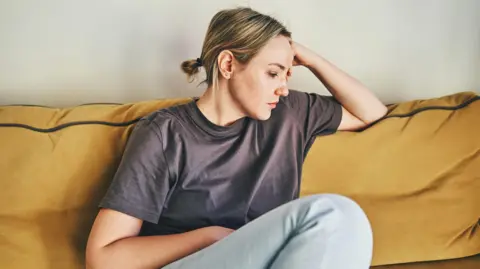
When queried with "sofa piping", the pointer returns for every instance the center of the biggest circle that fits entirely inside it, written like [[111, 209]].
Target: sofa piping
[[125, 124]]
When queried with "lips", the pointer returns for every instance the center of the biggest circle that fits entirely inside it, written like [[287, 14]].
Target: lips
[[272, 104]]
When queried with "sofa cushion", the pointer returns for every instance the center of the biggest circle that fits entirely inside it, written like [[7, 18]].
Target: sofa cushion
[[56, 163], [416, 174]]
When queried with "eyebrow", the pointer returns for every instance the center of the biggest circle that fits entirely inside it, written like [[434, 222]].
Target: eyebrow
[[279, 65]]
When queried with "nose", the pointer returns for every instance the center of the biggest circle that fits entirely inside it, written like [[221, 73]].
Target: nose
[[282, 91]]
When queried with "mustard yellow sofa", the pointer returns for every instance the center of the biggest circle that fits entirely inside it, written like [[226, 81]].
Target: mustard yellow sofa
[[415, 172]]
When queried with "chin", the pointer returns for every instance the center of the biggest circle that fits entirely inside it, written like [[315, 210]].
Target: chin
[[263, 115]]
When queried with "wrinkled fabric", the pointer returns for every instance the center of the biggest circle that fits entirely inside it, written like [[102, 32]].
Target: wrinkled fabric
[[181, 172]]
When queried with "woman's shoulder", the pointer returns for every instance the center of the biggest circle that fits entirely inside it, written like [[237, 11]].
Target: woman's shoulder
[[291, 102], [294, 98], [165, 119]]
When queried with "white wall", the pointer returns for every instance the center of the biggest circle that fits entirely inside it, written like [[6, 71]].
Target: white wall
[[61, 53]]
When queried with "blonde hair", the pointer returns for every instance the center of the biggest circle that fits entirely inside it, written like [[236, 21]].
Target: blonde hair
[[242, 31]]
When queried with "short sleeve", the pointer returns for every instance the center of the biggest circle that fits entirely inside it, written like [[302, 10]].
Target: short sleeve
[[141, 182], [318, 114]]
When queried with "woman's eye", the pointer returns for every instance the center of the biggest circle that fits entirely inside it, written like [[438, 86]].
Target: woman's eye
[[273, 75]]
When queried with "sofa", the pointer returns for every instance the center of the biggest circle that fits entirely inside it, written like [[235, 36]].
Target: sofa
[[415, 172]]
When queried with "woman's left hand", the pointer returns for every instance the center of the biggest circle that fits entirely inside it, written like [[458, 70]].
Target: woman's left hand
[[303, 55]]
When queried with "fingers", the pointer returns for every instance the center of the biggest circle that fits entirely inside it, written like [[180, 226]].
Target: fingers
[[289, 74]]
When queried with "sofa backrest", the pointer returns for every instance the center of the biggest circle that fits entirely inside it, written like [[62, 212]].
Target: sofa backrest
[[416, 173], [55, 165]]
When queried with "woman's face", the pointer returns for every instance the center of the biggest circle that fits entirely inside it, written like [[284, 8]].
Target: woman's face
[[257, 86]]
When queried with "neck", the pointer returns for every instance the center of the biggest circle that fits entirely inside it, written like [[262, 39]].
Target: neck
[[218, 106]]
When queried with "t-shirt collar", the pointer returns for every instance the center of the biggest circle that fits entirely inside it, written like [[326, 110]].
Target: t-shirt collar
[[211, 128]]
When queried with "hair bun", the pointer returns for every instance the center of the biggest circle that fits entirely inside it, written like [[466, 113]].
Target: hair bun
[[191, 68]]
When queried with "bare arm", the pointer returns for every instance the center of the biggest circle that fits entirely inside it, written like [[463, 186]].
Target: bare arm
[[114, 243], [359, 105]]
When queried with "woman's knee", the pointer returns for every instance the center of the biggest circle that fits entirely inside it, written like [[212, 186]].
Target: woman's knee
[[347, 225], [343, 208], [346, 205]]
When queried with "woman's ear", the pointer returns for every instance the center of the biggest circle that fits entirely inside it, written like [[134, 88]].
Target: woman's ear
[[225, 63]]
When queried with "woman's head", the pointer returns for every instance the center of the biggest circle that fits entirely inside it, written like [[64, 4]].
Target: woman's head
[[250, 53]]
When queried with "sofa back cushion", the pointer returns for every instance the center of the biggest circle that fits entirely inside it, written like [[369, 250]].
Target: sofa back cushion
[[53, 176], [416, 174]]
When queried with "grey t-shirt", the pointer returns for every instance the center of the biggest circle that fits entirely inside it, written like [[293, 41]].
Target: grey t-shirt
[[181, 172]]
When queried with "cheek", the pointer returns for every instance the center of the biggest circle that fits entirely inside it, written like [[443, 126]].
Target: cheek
[[251, 87], [264, 86]]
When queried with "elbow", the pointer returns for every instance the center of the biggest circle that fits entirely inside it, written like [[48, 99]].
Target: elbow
[[95, 258], [375, 115], [98, 263], [382, 112], [92, 259], [105, 258]]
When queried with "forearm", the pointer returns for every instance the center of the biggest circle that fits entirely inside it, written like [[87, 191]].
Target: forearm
[[353, 96], [150, 251]]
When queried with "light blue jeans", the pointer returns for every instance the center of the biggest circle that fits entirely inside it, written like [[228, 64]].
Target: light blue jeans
[[322, 231]]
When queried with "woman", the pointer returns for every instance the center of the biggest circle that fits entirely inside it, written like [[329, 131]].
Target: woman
[[214, 183]]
